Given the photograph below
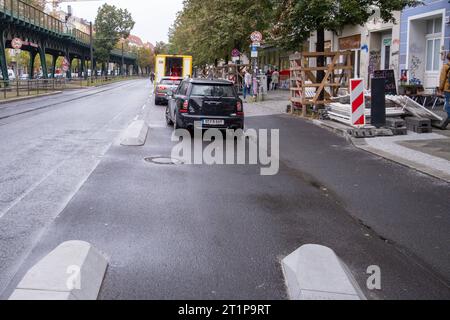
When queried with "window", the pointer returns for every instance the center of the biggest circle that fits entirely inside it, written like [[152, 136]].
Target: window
[[434, 26], [170, 82], [438, 25], [182, 89], [433, 54], [387, 57], [433, 48], [213, 91]]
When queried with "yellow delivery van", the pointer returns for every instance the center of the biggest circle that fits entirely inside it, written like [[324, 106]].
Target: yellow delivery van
[[172, 66]]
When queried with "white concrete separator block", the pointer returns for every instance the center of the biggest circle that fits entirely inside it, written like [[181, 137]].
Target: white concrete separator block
[[314, 272], [135, 134], [73, 271]]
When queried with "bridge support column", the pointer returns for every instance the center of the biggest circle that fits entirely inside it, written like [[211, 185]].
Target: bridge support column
[[69, 72], [54, 59], [3, 66], [32, 58], [84, 69], [43, 62]]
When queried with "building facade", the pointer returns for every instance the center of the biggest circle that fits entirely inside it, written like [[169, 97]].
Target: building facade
[[424, 41], [374, 46]]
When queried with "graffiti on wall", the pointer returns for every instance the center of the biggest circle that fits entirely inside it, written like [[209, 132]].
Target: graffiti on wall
[[414, 67], [374, 62]]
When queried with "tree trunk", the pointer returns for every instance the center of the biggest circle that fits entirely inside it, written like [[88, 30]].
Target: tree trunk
[[320, 47]]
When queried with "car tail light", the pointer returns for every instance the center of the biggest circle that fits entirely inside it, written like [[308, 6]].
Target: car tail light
[[185, 106], [240, 111]]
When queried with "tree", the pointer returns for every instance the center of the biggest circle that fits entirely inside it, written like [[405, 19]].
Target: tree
[[162, 48], [296, 19], [145, 59], [111, 25], [211, 29]]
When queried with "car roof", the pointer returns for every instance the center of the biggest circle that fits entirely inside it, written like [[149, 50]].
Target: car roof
[[210, 81]]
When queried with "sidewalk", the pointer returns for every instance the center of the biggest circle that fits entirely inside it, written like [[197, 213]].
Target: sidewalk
[[275, 102], [427, 153]]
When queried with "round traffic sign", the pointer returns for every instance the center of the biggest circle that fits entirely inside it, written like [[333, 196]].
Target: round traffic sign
[[235, 53], [16, 43], [256, 36], [65, 65]]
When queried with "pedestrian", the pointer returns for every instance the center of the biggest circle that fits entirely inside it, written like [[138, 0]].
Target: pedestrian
[[444, 84], [152, 76], [275, 79], [269, 78], [247, 84]]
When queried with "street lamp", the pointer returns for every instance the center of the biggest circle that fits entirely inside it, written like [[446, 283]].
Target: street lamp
[[91, 45]]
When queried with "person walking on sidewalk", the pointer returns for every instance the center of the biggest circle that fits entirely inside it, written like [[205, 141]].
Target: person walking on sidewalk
[[444, 84], [275, 79], [247, 83], [269, 79]]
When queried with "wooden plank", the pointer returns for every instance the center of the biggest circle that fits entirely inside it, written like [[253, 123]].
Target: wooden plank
[[318, 85], [325, 54], [337, 67], [325, 78], [295, 99]]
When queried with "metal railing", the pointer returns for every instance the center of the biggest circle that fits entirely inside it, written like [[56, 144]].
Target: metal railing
[[127, 55], [28, 13], [24, 88]]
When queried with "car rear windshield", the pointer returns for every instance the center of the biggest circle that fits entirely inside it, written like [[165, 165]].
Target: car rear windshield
[[170, 82], [208, 90]]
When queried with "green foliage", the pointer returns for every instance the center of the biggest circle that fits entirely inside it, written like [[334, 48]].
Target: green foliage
[[145, 58], [162, 48], [111, 25], [296, 19], [211, 29]]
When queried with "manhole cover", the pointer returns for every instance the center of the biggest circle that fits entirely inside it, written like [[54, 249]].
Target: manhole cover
[[163, 160]]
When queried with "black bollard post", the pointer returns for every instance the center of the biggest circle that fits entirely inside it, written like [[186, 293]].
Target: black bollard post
[[378, 103]]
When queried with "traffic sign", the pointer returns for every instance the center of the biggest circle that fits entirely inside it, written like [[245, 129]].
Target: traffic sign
[[65, 65], [235, 53], [358, 116], [254, 53], [16, 43], [256, 36]]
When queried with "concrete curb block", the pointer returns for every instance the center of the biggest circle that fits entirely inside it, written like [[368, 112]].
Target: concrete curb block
[[314, 272], [338, 129], [73, 271], [136, 134], [29, 97]]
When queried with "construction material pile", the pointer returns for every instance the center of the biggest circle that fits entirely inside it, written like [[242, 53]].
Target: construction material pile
[[397, 107]]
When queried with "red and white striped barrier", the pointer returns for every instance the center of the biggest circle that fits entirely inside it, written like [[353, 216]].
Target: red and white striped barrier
[[358, 117]]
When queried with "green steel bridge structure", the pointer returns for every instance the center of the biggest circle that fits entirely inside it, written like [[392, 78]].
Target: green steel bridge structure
[[43, 34]]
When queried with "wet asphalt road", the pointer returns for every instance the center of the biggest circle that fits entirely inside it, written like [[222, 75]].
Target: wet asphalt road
[[49, 147], [219, 232]]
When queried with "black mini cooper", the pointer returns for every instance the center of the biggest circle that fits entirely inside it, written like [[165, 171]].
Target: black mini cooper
[[205, 104]]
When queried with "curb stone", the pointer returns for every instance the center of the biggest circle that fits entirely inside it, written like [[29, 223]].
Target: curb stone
[[135, 134], [314, 272], [73, 271]]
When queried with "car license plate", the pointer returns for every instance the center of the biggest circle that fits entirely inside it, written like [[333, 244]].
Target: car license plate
[[214, 122]]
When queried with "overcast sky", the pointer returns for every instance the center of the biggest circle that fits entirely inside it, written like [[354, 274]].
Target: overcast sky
[[153, 17]]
